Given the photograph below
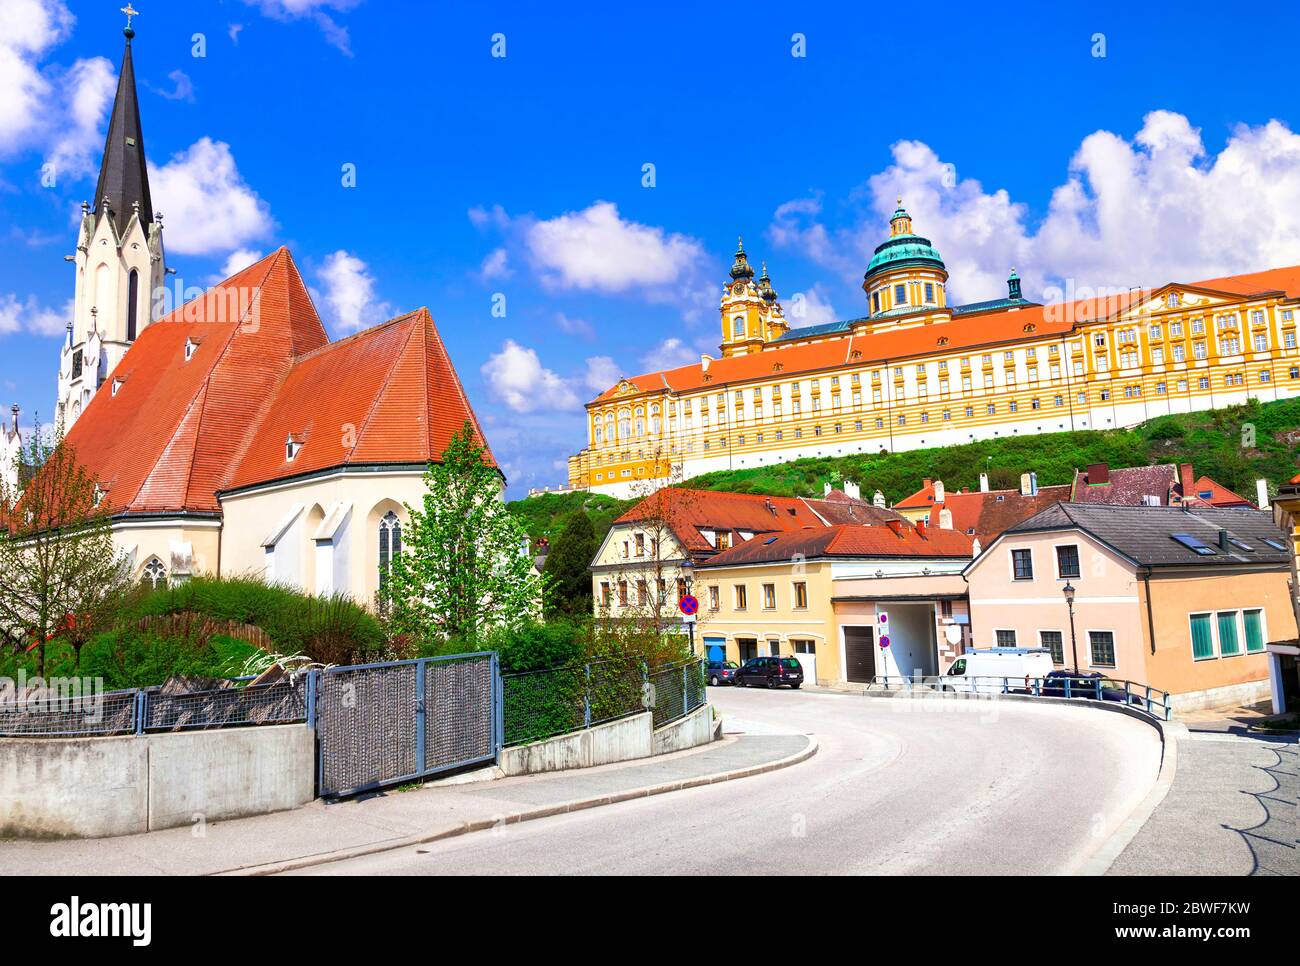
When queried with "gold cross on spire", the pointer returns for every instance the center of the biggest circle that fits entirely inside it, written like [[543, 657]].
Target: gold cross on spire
[[130, 12]]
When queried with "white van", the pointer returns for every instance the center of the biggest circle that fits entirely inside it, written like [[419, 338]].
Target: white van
[[989, 669]]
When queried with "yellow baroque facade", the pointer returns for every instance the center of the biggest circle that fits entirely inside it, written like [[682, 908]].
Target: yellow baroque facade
[[918, 372]]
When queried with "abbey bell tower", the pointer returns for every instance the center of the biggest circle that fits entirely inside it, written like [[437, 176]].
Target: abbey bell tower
[[119, 258]]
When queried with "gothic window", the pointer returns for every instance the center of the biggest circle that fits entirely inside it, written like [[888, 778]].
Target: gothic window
[[132, 304], [155, 574], [390, 545]]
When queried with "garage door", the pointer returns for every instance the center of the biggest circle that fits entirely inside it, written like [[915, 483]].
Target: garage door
[[860, 654]]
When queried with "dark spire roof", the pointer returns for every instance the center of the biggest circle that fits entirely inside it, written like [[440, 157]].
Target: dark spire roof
[[123, 177]]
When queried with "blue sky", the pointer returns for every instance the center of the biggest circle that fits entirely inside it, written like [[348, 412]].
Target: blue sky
[[1010, 136]]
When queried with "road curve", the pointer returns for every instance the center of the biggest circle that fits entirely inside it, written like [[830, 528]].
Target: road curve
[[898, 787]]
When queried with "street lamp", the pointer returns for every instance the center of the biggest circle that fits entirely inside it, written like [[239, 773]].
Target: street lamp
[[1068, 590]]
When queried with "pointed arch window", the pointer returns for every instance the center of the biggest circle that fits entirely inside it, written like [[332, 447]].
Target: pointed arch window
[[390, 545], [155, 574], [132, 304]]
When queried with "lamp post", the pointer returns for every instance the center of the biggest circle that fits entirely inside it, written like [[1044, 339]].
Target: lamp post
[[1068, 590]]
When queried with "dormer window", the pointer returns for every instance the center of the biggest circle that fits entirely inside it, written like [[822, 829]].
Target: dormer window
[[99, 495], [1171, 300], [291, 447], [117, 384], [191, 346]]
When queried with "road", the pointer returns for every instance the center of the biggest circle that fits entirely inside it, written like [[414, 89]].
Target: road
[[897, 787]]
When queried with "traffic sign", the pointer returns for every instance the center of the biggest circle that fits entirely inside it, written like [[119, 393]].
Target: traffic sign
[[884, 617], [688, 605], [884, 640]]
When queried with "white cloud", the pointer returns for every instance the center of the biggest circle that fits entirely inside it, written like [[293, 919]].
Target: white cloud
[[810, 307], [182, 87], [87, 91], [602, 372], [669, 354], [579, 327], [596, 250], [1153, 209], [350, 292], [496, 265], [232, 31], [517, 378], [29, 315], [236, 261], [208, 206], [28, 28], [316, 12]]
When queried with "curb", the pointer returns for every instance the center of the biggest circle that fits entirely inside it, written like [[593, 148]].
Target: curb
[[1104, 856], [561, 808]]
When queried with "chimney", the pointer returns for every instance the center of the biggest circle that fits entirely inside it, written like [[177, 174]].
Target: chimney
[[920, 528], [771, 507], [975, 547], [879, 500], [14, 411], [704, 363], [826, 489], [1261, 486], [1098, 473], [1033, 484], [852, 490], [1024, 484], [945, 519], [1187, 482], [896, 526], [938, 491], [984, 482], [1223, 541]]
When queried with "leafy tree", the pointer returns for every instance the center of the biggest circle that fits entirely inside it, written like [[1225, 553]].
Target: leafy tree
[[465, 566], [60, 575], [567, 566]]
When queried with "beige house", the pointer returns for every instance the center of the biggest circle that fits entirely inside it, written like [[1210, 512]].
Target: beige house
[[1183, 599], [1284, 652], [820, 595]]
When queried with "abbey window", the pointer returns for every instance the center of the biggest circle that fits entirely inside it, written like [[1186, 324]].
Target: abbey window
[[155, 574], [390, 546]]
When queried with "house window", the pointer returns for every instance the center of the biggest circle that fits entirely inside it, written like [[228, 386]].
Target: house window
[[1006, 638], [800, 594], [740, 596], [1022, 564], [900, 294], [291, 447], [155, 574], [1054, 642], [640, 544], [1067, 561], [769, 596], [390, 546], [1254, 621], [1202, 637], [1102, 644], [642, 593], [1229, 645], [606, 593], [622, 593], [713, 598], [929, 291]]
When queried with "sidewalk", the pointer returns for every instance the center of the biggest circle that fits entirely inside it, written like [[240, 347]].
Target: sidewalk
[[391, 819], [1230, 810]]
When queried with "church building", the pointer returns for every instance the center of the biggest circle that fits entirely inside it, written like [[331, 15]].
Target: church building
[[231, 436], [916, 371]]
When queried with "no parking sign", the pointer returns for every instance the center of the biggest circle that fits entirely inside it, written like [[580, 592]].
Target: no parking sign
[[883, 618]]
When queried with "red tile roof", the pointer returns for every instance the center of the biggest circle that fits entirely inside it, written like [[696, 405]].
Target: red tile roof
[[1220, 495], [849, 540], [180, 431], [985, 515], [689, 512], [961, 332], [1127, 485]]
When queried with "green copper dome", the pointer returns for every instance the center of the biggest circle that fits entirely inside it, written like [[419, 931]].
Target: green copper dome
[[900, 250]]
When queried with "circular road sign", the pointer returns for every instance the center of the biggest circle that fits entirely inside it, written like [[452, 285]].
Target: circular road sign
[[689, 605], [884, 640]]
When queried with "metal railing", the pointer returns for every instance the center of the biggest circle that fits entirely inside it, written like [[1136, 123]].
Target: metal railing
[[1143, 697], [555, 701]]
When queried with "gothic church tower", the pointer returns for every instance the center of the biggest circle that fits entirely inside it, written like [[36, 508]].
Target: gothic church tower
[[119, 259]]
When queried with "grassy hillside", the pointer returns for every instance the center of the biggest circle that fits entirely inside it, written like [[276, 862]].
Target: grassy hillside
[[1211, 441]]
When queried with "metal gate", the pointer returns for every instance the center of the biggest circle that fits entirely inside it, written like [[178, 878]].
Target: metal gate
[[380, 724]]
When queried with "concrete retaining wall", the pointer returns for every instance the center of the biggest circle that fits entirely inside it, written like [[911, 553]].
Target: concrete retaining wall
[[622, 740], [93, 787], [695, 729], [1228, 696]]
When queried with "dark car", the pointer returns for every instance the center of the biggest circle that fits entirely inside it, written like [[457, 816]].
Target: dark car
[[769, 672], [722, 672], [1088, 684]]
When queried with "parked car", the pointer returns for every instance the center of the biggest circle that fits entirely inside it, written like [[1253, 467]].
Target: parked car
[[722, 672], [991, 670], [1085, 684], [769, 672]]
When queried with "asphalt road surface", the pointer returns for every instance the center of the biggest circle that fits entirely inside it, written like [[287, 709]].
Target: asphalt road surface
[[897, 787]]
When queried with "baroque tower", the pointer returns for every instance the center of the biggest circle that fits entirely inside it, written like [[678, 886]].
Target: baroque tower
[[119, 259], [751, 314]]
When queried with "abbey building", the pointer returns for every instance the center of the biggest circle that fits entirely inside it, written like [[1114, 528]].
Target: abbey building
[[916, 371]]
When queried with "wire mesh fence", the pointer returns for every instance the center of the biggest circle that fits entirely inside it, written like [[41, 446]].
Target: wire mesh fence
[[51, 711], [555, 701], [279, 702]]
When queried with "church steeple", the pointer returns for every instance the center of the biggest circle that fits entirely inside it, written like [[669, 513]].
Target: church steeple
[[123, 176]]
